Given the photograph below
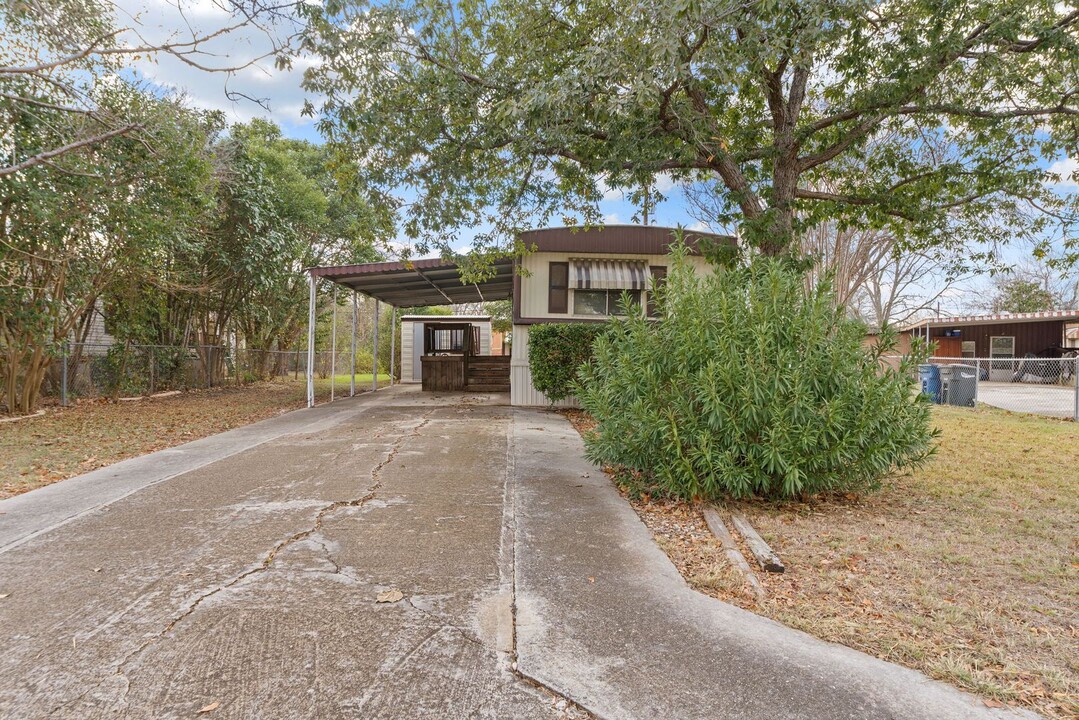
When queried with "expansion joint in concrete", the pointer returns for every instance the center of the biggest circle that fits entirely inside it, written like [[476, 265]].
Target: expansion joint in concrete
[[508, 571]]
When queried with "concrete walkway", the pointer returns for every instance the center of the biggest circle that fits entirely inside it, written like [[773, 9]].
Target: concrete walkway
[[243, 574], [1050, 400]]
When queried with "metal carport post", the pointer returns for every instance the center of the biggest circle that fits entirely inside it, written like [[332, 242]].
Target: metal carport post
[[311, 316], [311, 342], [352, 383], [374, 362], [393, 341]]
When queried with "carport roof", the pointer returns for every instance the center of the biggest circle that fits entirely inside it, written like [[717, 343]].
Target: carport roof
[[418, 283]]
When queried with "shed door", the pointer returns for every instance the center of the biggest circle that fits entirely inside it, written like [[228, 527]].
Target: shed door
[[417, 351]]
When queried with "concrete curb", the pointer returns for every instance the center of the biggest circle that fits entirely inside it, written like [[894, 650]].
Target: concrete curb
[[604, 618]]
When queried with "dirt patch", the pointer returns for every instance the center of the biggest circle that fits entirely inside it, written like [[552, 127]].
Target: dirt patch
[[967, 570], [64, 442]]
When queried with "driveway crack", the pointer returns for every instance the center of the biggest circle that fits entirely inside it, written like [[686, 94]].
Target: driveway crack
[[271, 556]]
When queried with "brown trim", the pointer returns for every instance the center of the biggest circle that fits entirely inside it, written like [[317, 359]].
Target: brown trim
[[381, 267], [548, 321]]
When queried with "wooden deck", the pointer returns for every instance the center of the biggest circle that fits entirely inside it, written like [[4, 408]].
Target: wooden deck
[[479, 373]]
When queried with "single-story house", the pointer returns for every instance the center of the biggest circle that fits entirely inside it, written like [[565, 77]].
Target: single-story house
[[568, 275], [1001, 336], [577, 275]]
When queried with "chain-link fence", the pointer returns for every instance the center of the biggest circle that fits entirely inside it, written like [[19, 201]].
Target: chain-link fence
[[1038, 385], [87, 370]]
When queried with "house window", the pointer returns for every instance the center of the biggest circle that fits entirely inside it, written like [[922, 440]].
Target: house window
[[602, 302], [558, 288]]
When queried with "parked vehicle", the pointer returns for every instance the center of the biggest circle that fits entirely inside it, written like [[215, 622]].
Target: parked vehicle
[[1048, 366]]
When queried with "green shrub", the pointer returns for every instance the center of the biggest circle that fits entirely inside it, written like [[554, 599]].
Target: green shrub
[[556, 351], [750, 385]]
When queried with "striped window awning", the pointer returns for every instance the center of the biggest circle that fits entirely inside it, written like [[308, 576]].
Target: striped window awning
[[588, 274]]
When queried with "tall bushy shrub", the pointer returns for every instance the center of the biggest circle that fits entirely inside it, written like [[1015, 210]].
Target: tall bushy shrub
[[556, 351], [750, 385]]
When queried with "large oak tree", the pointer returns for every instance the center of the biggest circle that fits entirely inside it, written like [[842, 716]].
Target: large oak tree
[[494, 114]]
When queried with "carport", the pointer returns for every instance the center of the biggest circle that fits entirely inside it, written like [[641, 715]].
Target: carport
[[404, 283]]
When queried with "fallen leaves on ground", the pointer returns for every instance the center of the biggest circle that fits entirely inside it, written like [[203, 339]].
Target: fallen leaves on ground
[[965, 570], [389, 596], [64, 442]]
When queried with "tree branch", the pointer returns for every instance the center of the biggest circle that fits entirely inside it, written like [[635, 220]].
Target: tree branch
[[44, 157]]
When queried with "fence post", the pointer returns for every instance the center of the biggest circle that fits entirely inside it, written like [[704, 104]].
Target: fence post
[[1075, 410], [63, 374], [977, 380]]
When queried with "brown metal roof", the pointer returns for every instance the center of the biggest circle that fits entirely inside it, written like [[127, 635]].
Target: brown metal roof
[[420, 282], [996, 319], [438, 282], [615, 239]]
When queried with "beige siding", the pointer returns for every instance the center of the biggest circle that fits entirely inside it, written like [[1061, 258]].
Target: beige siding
[[534, 279], [485, 338], [534, 282]]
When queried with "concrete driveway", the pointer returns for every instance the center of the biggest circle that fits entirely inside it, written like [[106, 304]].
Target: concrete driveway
[[252, 582], [241, 575], [1049, 400]]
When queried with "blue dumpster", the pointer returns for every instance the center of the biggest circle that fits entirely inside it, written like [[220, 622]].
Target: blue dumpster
[[930, 377]]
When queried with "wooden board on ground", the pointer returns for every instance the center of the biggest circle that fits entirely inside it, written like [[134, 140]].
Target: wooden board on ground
[[730, 548], [760, 549]]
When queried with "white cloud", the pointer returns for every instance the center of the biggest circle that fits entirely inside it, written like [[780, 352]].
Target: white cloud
[[1066, 168], [159, 21], [700, 226], [664, 184], [612, 219]]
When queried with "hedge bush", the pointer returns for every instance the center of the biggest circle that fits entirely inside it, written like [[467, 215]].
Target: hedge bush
[[556, 351], [750, 385]]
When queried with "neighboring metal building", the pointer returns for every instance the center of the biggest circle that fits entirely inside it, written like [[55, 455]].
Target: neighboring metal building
[[1004, 335]]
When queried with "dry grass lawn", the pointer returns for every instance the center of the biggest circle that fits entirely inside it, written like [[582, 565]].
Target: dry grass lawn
[[64, 442], [967, 570]]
